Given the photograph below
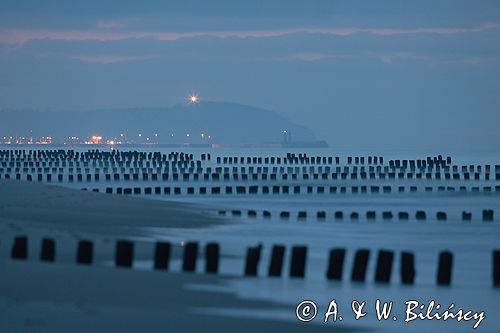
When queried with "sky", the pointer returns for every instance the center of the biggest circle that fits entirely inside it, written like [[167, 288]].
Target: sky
[[361, 74]]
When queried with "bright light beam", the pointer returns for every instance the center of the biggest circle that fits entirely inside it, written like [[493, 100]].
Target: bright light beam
[[194, 99]]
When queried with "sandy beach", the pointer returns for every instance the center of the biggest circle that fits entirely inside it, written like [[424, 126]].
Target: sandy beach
[[44, 206], [66, 297]]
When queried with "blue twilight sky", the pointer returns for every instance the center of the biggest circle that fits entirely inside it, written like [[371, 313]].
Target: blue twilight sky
[[361, 74]]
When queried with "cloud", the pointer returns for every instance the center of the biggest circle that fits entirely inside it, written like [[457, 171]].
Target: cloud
[[389, 58], [308, 56], [473, 61], [311, 56], [20, 36], [110, 59]]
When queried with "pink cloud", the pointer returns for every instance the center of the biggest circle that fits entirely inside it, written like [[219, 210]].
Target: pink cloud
[[21, 36], [473, 61], [311, 56], [389, 58]]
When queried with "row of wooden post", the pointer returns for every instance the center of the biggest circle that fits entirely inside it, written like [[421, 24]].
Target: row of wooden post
[[267, 190], [96, 154], [199, 173], [124, 257], [487, 215], [468, 172]]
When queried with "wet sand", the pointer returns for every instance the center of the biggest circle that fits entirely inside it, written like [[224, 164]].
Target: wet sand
[[66, 297], [40, 205], [43, 297]]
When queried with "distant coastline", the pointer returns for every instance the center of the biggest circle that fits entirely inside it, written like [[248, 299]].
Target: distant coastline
[[206, 123], [302, 144]]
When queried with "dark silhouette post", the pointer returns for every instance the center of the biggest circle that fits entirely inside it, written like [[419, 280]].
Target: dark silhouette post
[[496, 268], [212, 258], [407, 268], [48, 250], [360, 264], [276, 264], [298, 261], [20, 248], [335, 264], [384, 266], [190, 257], [488, 215], [124, 254], [85, 252], [445, 268], [252, 260], [162, 255]]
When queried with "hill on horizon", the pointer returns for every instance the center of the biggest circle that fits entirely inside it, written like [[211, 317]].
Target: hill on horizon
[[226, 123]]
